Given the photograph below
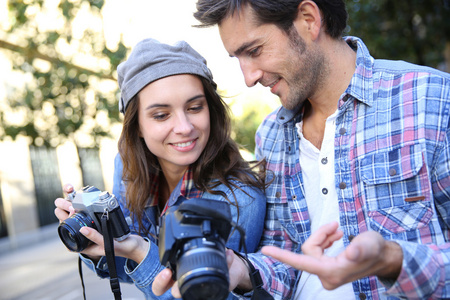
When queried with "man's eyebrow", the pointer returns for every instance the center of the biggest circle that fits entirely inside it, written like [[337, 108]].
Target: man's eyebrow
[[242, 48]]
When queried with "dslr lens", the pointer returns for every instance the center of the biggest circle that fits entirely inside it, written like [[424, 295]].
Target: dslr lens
[[69, 231], [203, 274]]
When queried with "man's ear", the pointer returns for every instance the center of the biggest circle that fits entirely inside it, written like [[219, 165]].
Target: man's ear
[[309, 19]]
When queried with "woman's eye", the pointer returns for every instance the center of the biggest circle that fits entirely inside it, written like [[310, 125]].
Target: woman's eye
[[196, 108], [160, 116]]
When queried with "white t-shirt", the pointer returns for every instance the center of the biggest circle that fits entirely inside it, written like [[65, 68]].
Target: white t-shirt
[[321, 197]]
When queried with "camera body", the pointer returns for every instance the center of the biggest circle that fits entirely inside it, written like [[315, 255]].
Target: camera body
[[192, 240], [90, 205]]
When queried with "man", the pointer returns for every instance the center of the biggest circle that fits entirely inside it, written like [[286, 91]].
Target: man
[[359, 157]]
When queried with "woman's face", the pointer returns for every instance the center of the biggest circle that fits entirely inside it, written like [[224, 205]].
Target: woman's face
[[174, 120]]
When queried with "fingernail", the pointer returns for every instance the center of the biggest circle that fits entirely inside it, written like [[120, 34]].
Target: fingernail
[[84, 231]]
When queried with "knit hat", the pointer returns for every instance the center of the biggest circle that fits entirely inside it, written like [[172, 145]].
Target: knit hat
[[151, 60]]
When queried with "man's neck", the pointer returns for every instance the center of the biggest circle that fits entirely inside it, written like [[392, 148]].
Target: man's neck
[[342, 63], [341, 67]]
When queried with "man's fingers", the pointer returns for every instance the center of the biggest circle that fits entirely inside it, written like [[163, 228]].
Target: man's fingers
[[324, 234], [321, 239], [353, 253], [297, 261], [365, 246]]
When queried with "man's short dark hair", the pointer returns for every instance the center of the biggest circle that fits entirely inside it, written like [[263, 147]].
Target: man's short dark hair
[[282, 13]]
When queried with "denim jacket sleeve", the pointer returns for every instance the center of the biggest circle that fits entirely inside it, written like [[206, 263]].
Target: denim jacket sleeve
[[143, 274], [249, 213], [250, 216]]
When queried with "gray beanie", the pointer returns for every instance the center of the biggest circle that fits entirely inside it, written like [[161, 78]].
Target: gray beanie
[[151, 60]]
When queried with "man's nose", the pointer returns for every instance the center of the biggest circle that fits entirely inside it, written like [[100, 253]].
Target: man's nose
[[252, 74]]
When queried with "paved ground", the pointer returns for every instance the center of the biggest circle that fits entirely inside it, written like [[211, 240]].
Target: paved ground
[[46, 270]]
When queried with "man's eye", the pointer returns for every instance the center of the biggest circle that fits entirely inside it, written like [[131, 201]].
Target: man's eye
[[254, 52]]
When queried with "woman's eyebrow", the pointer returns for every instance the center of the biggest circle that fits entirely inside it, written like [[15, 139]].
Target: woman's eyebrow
[[159, 105], [156, 105]]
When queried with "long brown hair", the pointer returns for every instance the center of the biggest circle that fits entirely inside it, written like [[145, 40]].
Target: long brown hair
[[219, 163]]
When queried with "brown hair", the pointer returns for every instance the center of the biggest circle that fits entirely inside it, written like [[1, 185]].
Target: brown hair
[[282, 13], [219, 163]]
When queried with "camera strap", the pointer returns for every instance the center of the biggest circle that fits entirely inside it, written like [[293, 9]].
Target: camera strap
[[258, 292], [80, 272], [110, 256], [255, 277]]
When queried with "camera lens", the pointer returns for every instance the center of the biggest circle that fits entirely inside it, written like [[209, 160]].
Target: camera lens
[[202, 273], [69, 231]]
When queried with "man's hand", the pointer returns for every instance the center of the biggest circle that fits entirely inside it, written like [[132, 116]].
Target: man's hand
[[368, 254], [237, 269]]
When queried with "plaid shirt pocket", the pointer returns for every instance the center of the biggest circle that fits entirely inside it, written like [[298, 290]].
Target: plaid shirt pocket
[[397, 190]]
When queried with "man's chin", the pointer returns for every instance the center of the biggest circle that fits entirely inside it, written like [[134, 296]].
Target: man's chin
[[291, 104]]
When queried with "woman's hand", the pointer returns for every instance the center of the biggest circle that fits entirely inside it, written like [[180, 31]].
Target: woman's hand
[[64, 208], [238, 274], [133, 247]]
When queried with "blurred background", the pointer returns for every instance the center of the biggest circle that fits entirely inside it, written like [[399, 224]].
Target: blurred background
[[59, 118]]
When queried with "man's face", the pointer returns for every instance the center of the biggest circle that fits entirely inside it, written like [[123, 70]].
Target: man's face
[[285, 62]]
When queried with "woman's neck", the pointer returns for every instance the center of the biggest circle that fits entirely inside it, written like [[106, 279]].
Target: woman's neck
[[169, 179]]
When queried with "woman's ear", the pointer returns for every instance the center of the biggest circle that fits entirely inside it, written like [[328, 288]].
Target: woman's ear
[[309, 19]]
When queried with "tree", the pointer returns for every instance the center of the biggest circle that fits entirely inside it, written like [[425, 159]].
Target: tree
[[417, 31], [69, 88]]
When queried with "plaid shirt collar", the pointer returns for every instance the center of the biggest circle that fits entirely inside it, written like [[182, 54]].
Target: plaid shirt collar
[[360, 87], [185, 189]]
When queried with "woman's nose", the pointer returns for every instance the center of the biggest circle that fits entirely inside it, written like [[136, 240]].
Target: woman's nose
[[183, 125]]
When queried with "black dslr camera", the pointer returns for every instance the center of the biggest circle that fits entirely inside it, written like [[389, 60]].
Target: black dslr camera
[[192, 240], [90, 205]]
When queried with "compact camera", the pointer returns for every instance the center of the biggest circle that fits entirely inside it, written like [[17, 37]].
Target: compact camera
[[192, 240], [90, 205]]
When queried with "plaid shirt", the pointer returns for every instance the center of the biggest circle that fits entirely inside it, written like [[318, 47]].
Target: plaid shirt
[[392, 162]]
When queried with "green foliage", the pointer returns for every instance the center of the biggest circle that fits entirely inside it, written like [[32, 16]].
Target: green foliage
[[244, 125], [62, 95], [415, 30]]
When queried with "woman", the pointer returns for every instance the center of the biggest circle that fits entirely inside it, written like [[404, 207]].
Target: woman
[[175, 144]]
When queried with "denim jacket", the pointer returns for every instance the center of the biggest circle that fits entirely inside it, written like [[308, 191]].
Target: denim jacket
[[252, 208]]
